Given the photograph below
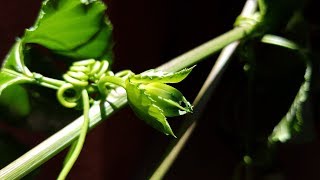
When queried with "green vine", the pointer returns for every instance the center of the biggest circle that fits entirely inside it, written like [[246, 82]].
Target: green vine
[[90, 80]]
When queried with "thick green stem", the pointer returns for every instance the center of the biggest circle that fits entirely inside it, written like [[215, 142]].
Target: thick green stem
[[197, 54], [53, 145]]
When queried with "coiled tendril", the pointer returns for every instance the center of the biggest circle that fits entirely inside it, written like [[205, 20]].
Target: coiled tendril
[[82, 75], [84, 78]]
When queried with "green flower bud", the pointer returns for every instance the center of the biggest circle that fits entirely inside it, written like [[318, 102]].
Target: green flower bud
[[153, 100], [168, 98]]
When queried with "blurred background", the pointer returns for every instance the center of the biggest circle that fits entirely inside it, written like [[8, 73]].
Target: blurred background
[[146, 35]]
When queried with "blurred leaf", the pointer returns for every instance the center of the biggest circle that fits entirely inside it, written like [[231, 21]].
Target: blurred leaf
[[292, 123], [12, 96], [16, 101]]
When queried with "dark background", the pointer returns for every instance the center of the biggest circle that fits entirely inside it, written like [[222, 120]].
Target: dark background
[[147, 34]]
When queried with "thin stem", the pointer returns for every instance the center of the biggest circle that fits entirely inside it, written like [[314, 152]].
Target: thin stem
[[79, 144], [47, 82], [54, 82], [70, 152], [48, 85]]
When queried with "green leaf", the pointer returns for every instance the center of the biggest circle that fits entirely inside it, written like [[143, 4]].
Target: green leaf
[[146, 110], [161, 123], [15, 60], [97, 47], [74, 28], [13, 97], [154, 75]]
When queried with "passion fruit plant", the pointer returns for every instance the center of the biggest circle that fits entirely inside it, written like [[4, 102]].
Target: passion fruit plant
[[78, 32]]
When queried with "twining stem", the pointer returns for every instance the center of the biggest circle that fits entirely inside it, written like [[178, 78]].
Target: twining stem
[[78, 144], [56, 84], [54, 144]]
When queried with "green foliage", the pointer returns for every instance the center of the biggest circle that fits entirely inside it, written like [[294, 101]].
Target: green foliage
[[72, 28], [15, 59], [78, 30], [13, 96]]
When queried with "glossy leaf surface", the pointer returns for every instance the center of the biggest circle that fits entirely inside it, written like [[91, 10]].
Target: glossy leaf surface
[[73, 28], [15, 59]]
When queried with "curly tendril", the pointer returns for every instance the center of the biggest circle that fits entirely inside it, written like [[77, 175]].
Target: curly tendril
[[81, 75], [84, 78], [81, 79]]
